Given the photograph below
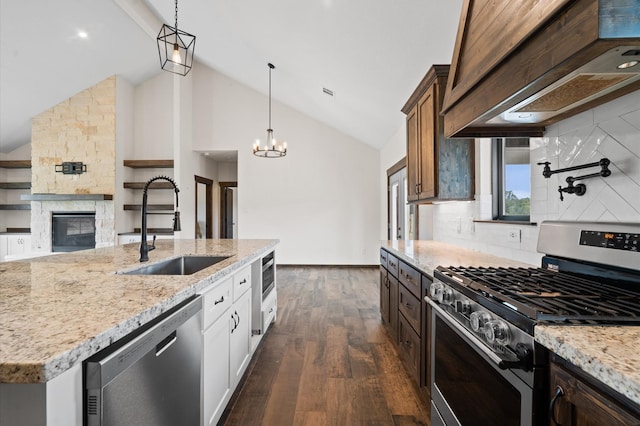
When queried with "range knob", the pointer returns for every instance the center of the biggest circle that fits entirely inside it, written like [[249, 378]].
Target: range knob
[[435, 289], [463, 307], [497, 332], [445, 296], [478, 320]]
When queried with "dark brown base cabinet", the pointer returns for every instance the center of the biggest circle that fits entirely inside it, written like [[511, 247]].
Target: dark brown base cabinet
[[389, 302], [581, 404], [409, 348], [389, 293], [404, 313]]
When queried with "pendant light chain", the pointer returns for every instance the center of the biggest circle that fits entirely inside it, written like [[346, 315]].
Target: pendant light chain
[[176, 27]]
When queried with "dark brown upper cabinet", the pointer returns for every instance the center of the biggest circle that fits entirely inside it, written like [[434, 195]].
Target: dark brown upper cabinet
[[517, 69], [437, 168]]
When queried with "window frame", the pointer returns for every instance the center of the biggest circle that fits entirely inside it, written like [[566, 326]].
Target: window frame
[[498, 184]]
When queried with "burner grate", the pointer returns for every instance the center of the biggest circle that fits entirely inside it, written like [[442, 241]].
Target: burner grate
[[552, 296]]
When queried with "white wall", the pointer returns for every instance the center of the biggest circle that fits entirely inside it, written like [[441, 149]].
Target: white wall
[[611, 130], [162, 129], [321, 200], [125, 144]]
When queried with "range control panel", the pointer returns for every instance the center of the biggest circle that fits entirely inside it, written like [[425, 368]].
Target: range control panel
[[611, 240]]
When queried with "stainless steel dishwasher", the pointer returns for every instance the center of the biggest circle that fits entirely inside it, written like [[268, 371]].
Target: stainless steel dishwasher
[[153, 377]]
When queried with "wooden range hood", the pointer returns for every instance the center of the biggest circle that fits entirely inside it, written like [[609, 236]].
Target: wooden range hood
[[518, 69]]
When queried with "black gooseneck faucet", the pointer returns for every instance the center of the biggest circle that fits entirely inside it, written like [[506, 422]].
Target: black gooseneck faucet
[[144, 247]]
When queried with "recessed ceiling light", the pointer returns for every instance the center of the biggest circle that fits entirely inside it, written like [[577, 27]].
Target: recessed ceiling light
[[83, 34], [626, 65]]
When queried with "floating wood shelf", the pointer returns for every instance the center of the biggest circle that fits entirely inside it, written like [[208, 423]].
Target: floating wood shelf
[[15, 185], [150, 207], [18, 230], [154, 185], [167, 231], [15, 206], [148, 164], [15, 164], [66, 197]]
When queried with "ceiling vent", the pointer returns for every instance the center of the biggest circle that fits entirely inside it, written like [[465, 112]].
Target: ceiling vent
[[327, 91]]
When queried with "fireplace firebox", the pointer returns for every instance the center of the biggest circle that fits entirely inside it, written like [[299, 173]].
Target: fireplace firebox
[[73, 231]]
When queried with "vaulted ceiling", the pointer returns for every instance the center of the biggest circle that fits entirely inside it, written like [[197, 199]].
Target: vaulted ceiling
[[370, 53]]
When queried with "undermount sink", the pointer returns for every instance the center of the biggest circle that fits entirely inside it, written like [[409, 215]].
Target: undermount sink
[[183, 265]]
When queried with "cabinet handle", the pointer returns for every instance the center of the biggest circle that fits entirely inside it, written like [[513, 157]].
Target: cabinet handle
[[215, 302], [407, 343], [552, 406], [235, 324], [243, 281], [408, 305]]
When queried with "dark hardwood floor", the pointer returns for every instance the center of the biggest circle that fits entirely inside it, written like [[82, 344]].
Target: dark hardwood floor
[[327, 360]]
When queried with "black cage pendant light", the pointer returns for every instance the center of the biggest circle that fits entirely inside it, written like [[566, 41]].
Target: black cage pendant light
[[175, 48], [271, 149]]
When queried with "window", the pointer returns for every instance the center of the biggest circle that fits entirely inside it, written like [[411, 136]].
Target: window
[[511, 179]]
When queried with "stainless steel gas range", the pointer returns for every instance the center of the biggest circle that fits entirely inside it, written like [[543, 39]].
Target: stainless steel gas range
[[486, 368]]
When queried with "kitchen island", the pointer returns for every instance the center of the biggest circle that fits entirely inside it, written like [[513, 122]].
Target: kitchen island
[[56, 311], [609, 354]]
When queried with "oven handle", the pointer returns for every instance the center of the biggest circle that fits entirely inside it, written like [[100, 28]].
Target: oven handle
[[479, 346]]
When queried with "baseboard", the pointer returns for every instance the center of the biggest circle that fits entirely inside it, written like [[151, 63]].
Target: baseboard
[[287, 265]]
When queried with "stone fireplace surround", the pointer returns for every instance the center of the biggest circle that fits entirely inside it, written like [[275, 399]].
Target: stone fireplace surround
[[41, 212]]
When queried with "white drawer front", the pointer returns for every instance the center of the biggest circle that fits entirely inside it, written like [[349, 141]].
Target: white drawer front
[[241, 282], [269, 310], [216, 301]]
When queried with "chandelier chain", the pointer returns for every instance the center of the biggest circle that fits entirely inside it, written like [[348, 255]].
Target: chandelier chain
[[176, 16]]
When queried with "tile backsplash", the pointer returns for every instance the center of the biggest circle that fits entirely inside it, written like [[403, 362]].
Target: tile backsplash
[[610, 131]]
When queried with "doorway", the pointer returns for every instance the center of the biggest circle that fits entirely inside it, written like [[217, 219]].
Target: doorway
[[204, 207], [402, 217], [228, 210]]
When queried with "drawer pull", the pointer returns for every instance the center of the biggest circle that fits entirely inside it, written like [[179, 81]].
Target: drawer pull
[[215, 302], [235, 323], [408, 305], [243, 281], [407, 343], [552, 406], [271, 310]]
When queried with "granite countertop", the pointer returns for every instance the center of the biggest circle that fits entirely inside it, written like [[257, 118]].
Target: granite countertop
[[426, 255], [56, 311], [609, 354]]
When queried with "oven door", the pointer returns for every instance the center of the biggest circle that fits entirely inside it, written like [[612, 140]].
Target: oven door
[[467, 386]]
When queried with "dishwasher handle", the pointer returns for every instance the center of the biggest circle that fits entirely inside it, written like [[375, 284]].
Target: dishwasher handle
[[102, 368]]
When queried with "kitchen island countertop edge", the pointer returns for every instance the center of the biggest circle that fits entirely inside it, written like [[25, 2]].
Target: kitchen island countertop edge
[[56, 311]]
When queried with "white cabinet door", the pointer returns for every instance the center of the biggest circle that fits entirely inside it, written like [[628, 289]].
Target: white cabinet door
[[136, 238], [216, 384], [3, 247], [240, 337], [127, 239], [18, 246]]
